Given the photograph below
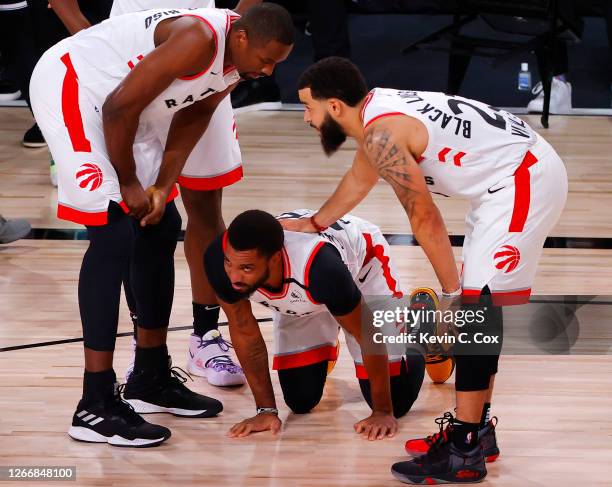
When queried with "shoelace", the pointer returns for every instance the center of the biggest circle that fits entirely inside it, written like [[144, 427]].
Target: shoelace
[[444, 422], [124, 408], [537, 89], [220, 363], [438, 440], [219, 340], [176, 374]]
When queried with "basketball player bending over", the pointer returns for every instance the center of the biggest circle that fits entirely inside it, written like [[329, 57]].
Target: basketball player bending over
[[96, 96], [451, 146], [312, 283], [214, 163]]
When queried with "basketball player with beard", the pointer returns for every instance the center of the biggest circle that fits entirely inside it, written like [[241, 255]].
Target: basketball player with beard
[[422, 142]]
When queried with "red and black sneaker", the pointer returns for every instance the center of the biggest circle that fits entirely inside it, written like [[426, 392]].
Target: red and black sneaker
[[486, 438], [488, 441], [420, 446], [443, 464]]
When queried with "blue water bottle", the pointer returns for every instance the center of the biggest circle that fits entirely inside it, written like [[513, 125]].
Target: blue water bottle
[[524, 78]]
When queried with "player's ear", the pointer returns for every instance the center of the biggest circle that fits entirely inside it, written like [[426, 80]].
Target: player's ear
[[242, 38], [334, 107]]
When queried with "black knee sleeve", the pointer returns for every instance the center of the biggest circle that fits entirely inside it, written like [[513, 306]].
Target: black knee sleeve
[[303, 386], [405, 387], [104, 263], [151, 273], [473, 371]]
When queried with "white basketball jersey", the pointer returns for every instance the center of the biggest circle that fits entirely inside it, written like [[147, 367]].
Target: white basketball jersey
[[472, 146], [121, 7], [346, 235], [104, 54]]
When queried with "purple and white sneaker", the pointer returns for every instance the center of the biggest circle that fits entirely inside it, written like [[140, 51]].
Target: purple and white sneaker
[[209, 357]]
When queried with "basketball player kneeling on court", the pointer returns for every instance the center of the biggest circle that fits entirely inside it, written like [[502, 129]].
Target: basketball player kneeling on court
[[314, 284]]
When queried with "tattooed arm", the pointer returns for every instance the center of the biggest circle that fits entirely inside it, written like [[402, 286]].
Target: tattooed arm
[[393, 161]]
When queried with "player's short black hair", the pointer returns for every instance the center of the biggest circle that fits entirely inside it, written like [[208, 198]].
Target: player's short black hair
[[334, 77], [268, 22], [256, 230]]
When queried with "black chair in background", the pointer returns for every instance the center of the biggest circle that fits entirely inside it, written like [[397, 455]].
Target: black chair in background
[[543, 22]]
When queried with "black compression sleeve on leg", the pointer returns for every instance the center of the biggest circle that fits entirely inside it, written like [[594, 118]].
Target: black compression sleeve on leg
[[473, 372], [405, 387], [303, 386], [405, 390], [152, 269], [102, 270], [131, 300]]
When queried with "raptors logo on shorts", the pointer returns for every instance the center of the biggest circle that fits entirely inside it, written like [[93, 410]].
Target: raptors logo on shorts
[[89, 176], [507, 258]]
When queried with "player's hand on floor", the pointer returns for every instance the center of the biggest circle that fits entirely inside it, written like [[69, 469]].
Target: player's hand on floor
[[157, 201], [298, 225], [377, 426], [261, 422], [136, 199]]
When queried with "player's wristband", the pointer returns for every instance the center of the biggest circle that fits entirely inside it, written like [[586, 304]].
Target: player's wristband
[[318, 227], [267, 411], [454, 294]]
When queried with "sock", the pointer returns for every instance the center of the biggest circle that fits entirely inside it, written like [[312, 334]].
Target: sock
[[205, 318], [98, 385], [464, 435], [154, 358], [486, 414]]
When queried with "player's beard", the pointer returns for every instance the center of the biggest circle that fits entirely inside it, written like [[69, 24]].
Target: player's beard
[[332, 135], [260, 282]]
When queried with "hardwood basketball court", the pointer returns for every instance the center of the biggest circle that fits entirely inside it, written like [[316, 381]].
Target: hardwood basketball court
[[554, 426]]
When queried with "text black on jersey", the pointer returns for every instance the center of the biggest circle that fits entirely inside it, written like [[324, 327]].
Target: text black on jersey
[[171, 102], [159, 15]]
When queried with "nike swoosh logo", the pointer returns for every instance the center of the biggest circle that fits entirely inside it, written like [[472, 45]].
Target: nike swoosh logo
[[210, 308], [214, 74], [365, 277], [496, 190]]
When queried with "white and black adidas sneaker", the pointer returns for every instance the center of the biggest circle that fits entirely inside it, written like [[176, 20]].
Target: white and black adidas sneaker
[[112, 420], [164, 391]]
